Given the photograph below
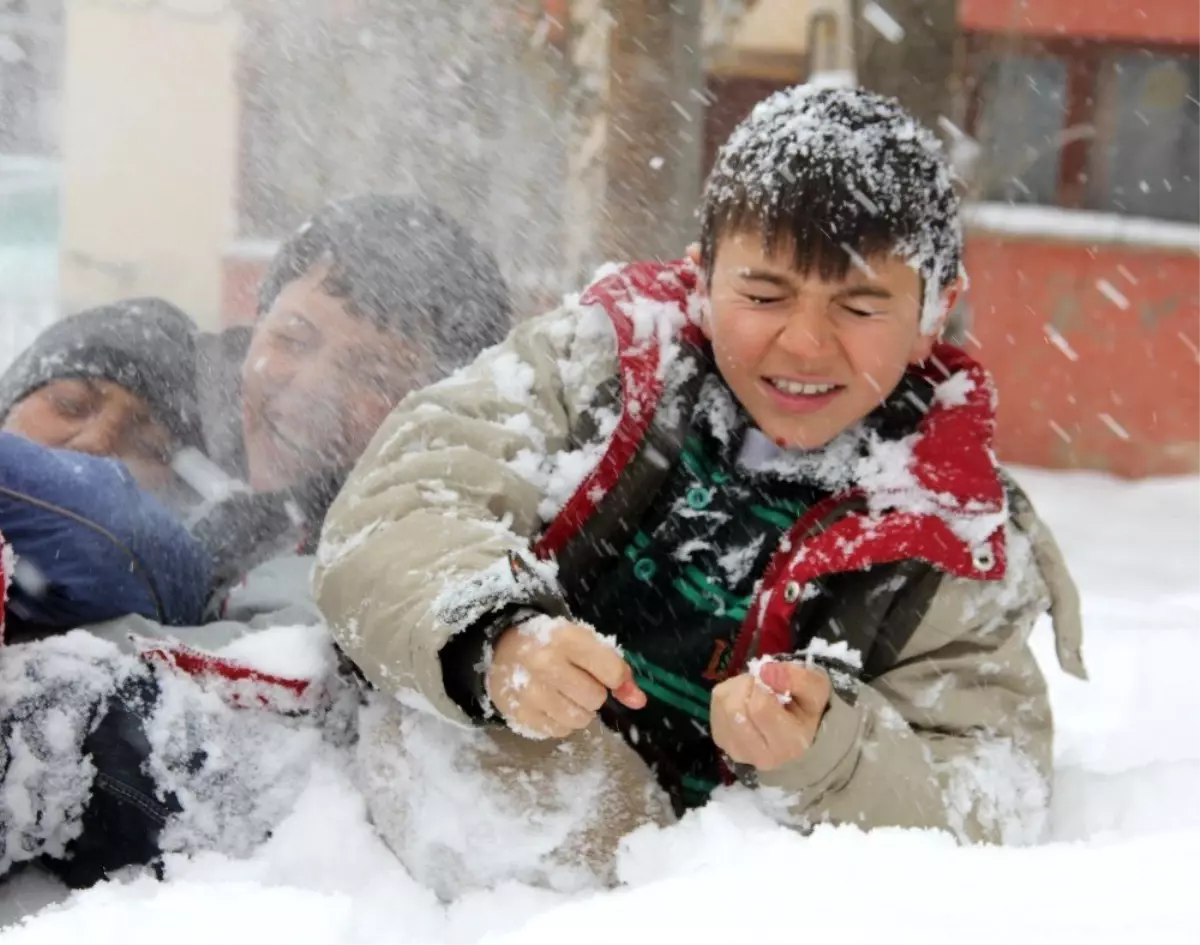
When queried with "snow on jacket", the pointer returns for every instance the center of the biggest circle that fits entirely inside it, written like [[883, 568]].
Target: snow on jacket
[[89, 544], [507, 483], [268, 649]]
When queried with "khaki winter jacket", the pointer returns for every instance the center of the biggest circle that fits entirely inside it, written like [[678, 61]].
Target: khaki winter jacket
[[950, 730]]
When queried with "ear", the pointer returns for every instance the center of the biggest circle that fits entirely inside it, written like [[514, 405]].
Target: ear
[[923, 345], [706, 325]]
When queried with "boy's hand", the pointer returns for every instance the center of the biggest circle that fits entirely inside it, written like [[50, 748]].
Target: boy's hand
[[770, 719], [550, 677]]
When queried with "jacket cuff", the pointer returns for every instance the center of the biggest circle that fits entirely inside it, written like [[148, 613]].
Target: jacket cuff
[[839, 734], [467, 658]]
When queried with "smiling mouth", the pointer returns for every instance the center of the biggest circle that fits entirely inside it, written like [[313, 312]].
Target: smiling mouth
[[802, 388]]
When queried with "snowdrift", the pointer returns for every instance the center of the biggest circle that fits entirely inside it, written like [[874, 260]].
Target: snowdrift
[[1120, 865]]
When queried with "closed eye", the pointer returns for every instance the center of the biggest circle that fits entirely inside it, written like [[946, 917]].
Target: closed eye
[[860, 312], [290, 343], [763, 299], [73, 407]]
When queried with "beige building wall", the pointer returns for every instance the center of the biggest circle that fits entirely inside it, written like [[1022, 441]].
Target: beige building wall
[[149, 143], [772, 37]]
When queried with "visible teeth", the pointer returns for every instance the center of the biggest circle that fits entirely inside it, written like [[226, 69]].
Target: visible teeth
[[796, 387]]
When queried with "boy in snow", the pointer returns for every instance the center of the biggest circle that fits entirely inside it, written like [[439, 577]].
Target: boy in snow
[[736, 519]]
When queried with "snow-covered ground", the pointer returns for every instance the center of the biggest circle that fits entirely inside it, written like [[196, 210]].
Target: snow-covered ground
[[1122, 865]]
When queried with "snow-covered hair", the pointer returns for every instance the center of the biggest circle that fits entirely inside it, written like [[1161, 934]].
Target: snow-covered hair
[[405, 264], [839, 175]]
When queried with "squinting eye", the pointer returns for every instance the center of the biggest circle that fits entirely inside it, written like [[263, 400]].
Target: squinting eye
[[70, 406], [290, 342], [861, 313], [762, 299]]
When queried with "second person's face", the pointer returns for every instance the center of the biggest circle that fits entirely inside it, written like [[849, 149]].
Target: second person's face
[[101, 418], [316, 384]]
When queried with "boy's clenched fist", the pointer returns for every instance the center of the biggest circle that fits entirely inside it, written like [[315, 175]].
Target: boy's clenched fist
[[770, 719], [550, 677]]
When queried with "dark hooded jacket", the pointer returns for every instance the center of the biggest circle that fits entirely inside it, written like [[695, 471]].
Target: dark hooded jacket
[[90, 545]]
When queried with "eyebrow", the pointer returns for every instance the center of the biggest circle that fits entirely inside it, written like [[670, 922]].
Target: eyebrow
[[865, 291], [149, 429], [851, 292], [142, 415], [762, 275], [91, 387]]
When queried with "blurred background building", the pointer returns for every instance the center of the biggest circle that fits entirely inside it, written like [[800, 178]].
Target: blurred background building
[[165, 146]]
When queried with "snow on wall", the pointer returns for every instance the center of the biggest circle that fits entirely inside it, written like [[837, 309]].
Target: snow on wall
[[1081, 225]]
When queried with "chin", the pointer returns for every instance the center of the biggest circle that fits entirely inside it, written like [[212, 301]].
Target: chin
[[804, 439]]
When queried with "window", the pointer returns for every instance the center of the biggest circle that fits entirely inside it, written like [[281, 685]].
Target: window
[[1023, 113], [1148, 164], [1088, 125]]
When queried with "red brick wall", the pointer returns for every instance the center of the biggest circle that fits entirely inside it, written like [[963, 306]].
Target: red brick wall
[[1157, 21], [239, 290], [1137, 365]]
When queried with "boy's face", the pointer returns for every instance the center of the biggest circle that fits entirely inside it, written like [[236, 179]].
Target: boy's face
[[316, 384], [99, 417], [808, 358]]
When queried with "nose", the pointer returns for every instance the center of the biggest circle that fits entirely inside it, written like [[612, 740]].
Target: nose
[[808, 333]]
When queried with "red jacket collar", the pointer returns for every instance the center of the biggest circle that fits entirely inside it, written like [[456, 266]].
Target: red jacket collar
[[954, 455]]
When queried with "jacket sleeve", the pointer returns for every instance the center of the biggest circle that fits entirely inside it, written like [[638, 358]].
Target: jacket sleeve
[[432, 530], [958, 735]]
